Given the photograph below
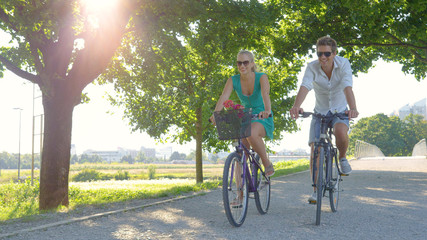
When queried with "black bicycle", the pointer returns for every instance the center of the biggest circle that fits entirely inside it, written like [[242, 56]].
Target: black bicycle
[[243, 172], [326, 181]]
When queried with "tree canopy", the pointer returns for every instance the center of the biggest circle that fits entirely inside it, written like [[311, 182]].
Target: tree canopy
[[173, 75], [392, 30]]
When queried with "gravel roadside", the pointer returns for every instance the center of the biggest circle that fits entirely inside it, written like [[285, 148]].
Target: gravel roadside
[[382, 199]]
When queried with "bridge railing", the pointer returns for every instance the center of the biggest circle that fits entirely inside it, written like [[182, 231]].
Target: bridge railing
[[364, 149], [420, 149]]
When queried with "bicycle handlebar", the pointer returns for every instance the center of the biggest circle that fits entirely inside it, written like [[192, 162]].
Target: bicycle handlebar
[[342, 116], [256, 116]]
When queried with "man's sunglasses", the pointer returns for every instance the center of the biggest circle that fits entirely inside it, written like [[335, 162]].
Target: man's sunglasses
[[327, 54], [246, 63]]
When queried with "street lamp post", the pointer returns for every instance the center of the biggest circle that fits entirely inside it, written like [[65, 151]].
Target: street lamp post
[[19, 148]]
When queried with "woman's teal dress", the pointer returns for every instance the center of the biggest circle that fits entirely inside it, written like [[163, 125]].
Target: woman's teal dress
[[254, 101]]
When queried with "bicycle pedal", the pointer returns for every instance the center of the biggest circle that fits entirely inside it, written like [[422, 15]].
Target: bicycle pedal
[[342, 174]]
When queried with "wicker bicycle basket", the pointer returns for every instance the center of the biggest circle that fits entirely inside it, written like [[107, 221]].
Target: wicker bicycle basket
[[233, 124]]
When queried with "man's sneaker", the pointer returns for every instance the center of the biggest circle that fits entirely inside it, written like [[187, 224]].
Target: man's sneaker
[[313, 198], [345, 166]]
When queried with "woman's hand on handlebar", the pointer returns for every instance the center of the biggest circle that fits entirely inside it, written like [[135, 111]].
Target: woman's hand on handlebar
[[264, 114]]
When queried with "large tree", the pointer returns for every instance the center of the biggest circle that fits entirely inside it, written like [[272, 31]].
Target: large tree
[[61, 46], [174, 74], [392, 30]]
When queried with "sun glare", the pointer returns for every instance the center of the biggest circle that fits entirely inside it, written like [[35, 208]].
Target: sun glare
[[98, 6]]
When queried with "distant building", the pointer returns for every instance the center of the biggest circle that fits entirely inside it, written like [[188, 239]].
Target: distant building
[[418, 108], [112, 156], [164, 153], [148, 152], [108, 156]]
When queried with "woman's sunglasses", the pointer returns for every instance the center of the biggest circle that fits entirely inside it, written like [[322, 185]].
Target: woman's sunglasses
[[327, 54], [246, 63]]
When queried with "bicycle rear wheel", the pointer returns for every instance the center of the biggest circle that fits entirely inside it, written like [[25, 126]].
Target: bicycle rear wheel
[[262, 195], [234, 190], [320, 183], [334, 182]]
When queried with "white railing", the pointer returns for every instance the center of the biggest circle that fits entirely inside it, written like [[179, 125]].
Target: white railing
[[420, 149], [364, 149]]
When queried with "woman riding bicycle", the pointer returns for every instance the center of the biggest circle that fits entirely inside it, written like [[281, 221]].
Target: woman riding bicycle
[[253, 90]]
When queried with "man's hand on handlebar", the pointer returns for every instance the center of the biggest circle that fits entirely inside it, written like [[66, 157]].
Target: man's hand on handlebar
[[295, 111], [352, 113]]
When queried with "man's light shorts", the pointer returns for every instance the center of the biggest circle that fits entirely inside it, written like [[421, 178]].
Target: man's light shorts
[[334, 121]]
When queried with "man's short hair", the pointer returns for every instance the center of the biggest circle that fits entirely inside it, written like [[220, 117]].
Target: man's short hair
[[327, 41]]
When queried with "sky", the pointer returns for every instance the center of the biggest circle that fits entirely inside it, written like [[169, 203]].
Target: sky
[[99, 126]]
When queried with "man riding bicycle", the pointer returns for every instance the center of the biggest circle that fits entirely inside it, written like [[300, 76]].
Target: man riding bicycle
[[331, 78]]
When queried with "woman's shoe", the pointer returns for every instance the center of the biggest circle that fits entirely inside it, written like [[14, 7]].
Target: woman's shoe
[[269, 171], [236, 203]]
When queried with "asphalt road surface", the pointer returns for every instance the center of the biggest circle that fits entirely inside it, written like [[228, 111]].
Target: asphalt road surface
[[382, 199]]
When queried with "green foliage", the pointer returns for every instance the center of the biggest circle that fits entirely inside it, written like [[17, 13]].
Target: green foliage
[[152, 172], [18, 200], [288, 167], [10, 161], [128, 159], [366, 31], [122, 175], [393, 136], [87, 175]]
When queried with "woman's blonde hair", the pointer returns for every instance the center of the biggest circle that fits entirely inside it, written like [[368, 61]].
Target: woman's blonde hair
[[251, 57]]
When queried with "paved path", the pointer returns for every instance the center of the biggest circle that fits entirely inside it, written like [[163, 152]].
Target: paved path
[[382, 199]]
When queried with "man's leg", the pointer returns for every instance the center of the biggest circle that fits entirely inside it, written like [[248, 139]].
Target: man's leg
[[341, 140]]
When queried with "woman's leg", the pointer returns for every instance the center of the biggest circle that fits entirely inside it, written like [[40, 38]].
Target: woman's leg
[[257, 142]]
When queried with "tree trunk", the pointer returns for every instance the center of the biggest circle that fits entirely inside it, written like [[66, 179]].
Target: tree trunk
[[199, 138], [58, 112]]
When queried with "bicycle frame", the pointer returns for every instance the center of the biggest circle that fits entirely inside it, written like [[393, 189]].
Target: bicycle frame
[[325, 141], [251, 176]]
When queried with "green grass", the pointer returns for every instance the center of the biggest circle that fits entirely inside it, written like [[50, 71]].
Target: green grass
[[288, 167], [20, 200]]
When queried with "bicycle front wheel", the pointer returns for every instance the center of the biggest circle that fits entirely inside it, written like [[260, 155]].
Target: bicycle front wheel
[[334, 182], [320, 182], [262, 194], [234, 190]]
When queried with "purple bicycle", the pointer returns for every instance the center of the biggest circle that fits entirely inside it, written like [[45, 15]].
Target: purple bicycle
[[243, 172]]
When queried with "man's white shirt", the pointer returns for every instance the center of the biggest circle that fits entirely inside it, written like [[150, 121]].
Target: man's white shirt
[[329, 93]]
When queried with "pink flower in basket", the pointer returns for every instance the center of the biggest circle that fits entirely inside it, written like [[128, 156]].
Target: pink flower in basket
[[238, 106], [229, 105]]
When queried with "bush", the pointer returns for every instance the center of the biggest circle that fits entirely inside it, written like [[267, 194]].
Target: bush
[[122, 175], [151, 172], [88, 175]]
